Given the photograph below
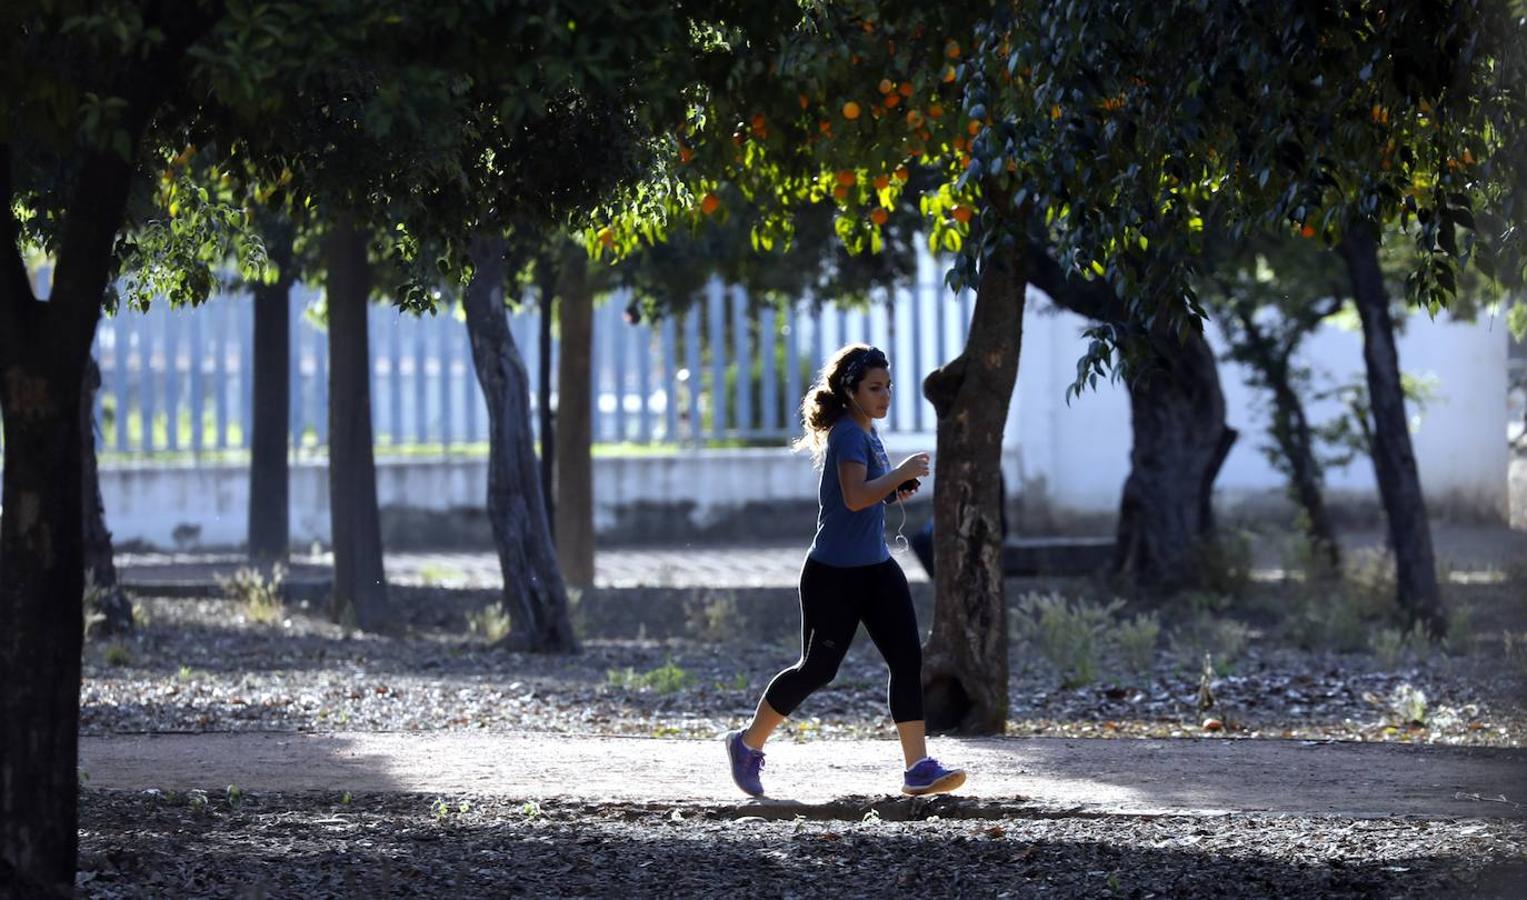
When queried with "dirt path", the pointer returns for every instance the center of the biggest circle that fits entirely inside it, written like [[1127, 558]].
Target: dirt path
[[1016, 775]]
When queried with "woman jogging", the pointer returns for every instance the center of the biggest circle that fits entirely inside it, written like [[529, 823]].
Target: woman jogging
[[849, 576]]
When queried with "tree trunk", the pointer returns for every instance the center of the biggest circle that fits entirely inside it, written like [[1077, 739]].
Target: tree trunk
[[269, 541], [547, 290], [1166, 514], [574, 451], [113, 612], [43, 351], [360, 588], [534, 595], [965, 662], [1394, 461]]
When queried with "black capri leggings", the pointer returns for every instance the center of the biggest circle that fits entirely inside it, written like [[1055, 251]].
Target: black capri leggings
[[834, 600]]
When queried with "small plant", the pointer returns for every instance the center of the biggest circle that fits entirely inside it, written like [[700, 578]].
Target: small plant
[[531, 809], [345, 799], [1460, 629], [435, 574], [259, 596], [1224, 639], [440, 808], [117, 655], [713, 615], [235, 797], [197, 799], [665, 679], [1514, 647], [491, 623], [1136, 643], [185, 674], [1393, 646], [1407, 705], [1066, 633], [93, 614]]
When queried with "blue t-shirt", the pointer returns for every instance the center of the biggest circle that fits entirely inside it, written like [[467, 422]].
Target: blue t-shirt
[[845, 537]]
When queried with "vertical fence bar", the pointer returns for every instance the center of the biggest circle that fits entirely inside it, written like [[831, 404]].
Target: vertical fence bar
[[147, 401], [914, 303], [469, 387], [198, 356], [445, 321], [421, 383], [620, 333], [220, 370], [319, 411], [792, 366], [692, 356], [244, 327], [818, 340], [124, 346], [644, 381], [964, 317], [770, 394], [743, 361], [171, 327], [670, 380], [716, 313]]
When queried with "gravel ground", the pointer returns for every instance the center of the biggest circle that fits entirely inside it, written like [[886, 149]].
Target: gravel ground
[[307, 845], [197, 666]]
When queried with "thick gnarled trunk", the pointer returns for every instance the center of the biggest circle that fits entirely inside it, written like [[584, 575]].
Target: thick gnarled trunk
[[269, 541], [965, 661], [1394, 461], [1166, 515], [534, 595], [575, 426], [360, 587]]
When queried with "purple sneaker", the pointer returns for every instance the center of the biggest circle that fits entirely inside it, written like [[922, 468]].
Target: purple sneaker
[[746, 763], [928, 777]]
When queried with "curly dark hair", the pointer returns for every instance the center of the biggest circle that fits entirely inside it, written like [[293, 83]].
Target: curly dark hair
[[826, 401]]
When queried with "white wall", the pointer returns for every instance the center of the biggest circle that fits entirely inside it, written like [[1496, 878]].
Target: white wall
[[1079, 455]]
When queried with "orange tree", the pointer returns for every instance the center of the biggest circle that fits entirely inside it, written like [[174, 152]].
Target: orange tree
[[1337, 123], [1110, 131]]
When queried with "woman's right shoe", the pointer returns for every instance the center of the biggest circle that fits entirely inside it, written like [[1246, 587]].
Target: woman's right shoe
[[928, 777], [747, 763]]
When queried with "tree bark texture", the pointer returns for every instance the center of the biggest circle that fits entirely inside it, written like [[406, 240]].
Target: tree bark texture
[[1394, 460], [360, 588], [575, 426], [534, 595], [965, 661], [269, 541], [44, 348], [1177, 413]]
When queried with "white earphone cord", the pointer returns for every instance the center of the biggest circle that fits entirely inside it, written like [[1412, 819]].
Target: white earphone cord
[[901, 541]]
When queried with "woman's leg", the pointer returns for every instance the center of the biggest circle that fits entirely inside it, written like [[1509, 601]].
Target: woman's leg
[[828, 623], [892, 624]]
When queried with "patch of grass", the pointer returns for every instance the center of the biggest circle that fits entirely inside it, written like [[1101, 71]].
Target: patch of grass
[[1136, 642], [1067, 633], [713, 614], [258, 596], [117, 655], [1223, 639], [491, 622], [1393, 647], [437, 574], [1224, 564], [668, 678]]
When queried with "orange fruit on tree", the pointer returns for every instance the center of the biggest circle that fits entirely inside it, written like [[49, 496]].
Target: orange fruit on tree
[[887, 85], [961, 213], [879, 216], [825, 127], [805, 101], [974, 128], [1307, 231], [891, 100], [935, 111], [686, 154], [902, 173], [952, 50], [914, 119], [850, 110], [847, 178], [905, 88], [710, 204], [840, 192], [607, 237], [758, 121], [882, 182], [948, 74]]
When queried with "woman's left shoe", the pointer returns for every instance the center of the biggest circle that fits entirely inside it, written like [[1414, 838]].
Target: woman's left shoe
[[928, 777]]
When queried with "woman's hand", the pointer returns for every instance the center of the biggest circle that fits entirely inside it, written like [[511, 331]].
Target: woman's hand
[[914, 466]]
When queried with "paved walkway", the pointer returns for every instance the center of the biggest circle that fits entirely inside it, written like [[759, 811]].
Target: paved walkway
[[1023, 775]]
